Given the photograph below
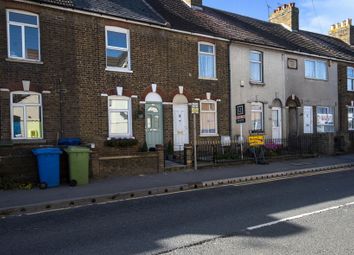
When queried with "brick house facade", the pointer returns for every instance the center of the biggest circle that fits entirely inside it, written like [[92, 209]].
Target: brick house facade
[[74, 83]]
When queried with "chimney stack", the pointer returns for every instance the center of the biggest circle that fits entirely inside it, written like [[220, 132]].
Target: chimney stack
[[194, 2], [288, 15], [344, 31]]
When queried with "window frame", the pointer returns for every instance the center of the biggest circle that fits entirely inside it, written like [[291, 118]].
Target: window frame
[[209, 101], [352, 108], [128, 49], [130, 121], [334, 120], [207, 54], [12, 105], [316, 64], [262, 117], [22, 25], [351, 78], [261, 62]]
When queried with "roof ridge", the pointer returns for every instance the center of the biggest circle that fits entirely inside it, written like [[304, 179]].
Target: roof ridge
[[240, 15]]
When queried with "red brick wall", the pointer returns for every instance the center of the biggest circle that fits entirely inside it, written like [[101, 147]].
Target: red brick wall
[[73, 70]]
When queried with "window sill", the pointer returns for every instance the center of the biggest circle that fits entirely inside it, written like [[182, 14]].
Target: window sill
[[120, 137], [257, 83], [206, 78], [315, 79], [27, 61], [257, 132], [29, 141], [209, 135], [118, 70]]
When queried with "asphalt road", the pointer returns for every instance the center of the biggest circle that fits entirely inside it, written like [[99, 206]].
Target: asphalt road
[[227, 220]]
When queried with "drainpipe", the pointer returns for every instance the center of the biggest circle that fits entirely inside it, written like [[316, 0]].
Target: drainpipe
[[229, 83], [61, 91]]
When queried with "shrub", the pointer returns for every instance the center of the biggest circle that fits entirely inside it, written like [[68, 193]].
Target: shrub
[[122, 142]]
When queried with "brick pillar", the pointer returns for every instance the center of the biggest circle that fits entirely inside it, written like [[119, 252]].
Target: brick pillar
[[95, 164], [188, 155], [160, 158], [331, 144], [5, 123]]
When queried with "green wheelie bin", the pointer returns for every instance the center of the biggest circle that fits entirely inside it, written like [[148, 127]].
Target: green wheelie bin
[[79, 158]]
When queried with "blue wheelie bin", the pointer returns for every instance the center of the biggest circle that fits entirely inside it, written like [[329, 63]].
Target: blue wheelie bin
[[48, 166]]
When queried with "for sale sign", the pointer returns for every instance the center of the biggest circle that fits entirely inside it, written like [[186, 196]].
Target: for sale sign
[[256, 140]]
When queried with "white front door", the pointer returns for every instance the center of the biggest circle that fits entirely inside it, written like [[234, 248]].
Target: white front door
[[276, 126], [308, 120], [180, 126]]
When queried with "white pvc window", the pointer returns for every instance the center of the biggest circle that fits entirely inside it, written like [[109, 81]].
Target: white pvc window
[[208, 118], [315, 69], [23, 37], [117, 49], [351, 118], [256, 66], [207, 60], [26, 115], [350, 78], [120, 117], [325, 119], [257, 117]]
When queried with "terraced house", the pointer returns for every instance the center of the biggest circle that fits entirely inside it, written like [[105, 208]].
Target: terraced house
[[103, 70], [121, 76], [286, 77]]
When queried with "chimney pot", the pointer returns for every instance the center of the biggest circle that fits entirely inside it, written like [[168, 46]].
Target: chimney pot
[[343, 31], [286, 14]]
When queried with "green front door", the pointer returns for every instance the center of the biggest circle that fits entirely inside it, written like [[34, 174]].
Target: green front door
[[153, 124]]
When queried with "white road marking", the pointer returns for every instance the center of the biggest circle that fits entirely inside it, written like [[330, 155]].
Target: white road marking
[[298, 216]]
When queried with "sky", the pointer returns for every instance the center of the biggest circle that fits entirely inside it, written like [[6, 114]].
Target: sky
[[315, 15]]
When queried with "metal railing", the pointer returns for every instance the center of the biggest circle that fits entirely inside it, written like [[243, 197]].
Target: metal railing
[[216, 152]]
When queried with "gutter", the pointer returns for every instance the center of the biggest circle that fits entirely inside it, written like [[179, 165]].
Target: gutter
[[119, 19]]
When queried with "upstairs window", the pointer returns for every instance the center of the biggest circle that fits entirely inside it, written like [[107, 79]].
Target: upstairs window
[[257, 117], [119, 115], [350, 78], [207, 66], [117, 49], [23, 35], [256, 66], [315, 69], [26, 115], [208, 118]]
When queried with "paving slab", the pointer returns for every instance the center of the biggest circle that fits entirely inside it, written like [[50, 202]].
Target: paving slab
[[17, 198]]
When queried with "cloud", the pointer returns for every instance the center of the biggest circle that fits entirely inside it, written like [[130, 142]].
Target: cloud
[[321, 14]]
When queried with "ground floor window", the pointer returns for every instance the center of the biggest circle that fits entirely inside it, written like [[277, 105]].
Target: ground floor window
[[351, 118], [257, 116], [208, 118], [325, 119], [119, 115], [26, 115]]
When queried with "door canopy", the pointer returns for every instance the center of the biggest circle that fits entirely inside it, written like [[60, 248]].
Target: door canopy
[[293, 101], [153, 97], [180, 99]]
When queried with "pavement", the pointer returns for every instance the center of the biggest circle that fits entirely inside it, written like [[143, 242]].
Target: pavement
[[121, 188], [307, 215]]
